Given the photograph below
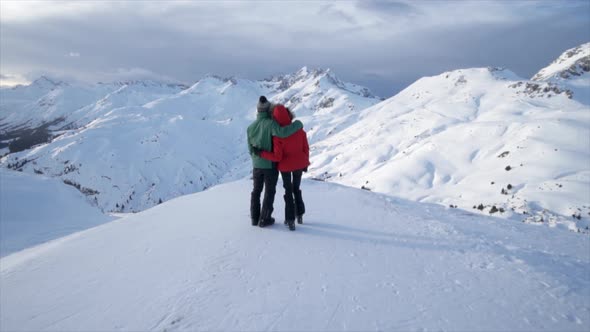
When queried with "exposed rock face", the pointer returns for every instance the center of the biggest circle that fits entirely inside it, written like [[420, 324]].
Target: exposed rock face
[[572, 63], [540, 89]]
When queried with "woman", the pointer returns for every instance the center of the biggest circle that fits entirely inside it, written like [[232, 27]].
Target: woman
[[292, 155]]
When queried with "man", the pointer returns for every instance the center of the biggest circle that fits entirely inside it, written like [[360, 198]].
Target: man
[[265, 173]]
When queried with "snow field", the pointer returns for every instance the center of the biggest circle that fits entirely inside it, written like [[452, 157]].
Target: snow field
[[360, 261], [35, 209]]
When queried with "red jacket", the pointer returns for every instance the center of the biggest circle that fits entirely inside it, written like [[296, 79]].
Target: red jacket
[[291, 153]]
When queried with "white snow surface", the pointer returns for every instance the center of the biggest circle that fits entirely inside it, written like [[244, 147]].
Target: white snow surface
[[36, 209], [361, 261]]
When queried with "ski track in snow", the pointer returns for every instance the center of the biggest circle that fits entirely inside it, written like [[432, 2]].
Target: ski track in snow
[[360, 261]]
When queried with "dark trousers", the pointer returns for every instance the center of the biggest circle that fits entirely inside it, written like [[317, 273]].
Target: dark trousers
[[267, 179], [293, 200]]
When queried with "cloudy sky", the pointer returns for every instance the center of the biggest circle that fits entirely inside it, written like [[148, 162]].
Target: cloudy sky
[[385, 45]]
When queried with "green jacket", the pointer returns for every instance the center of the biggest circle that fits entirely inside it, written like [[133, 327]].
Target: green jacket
[[260, 134]]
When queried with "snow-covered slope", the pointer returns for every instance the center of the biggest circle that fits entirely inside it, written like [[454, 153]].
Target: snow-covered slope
[[35, 209], [471, 138], [571, 71], [133, 157], [361, 261]]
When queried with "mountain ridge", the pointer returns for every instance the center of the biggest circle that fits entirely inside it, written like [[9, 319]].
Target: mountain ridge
[[175, 143], [398, 146]]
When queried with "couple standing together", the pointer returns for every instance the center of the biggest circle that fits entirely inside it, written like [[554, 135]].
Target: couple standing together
[[276, 143]]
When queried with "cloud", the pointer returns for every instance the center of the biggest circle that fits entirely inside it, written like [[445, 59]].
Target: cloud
[[394, 8], [330, 10], [122, 74], [12, 79], [31, 10], [384, 44]]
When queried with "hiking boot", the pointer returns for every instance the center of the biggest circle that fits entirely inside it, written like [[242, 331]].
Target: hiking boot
[[254, 222], [267, 222], [291, 224], [300, 219]]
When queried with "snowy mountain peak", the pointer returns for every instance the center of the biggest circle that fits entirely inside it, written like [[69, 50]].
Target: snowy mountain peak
[[213, 77], [570, 72], [45, 82], [503, 73], [322, 78], [302, 72], [488, 73], [572, 63], [288, 80], [306, 72], [209, 82]]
